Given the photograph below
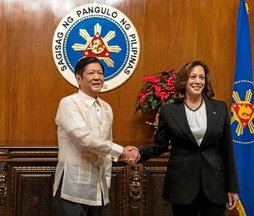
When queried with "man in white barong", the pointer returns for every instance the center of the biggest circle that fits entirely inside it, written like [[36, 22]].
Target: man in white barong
[[86, 149]]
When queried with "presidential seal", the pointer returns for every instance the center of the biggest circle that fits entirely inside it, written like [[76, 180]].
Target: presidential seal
[[100, 31]]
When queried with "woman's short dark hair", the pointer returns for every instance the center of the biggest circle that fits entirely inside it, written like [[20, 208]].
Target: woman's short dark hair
[[183, 76], [82, 63]]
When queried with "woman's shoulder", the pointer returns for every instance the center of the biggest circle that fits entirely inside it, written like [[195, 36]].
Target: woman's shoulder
[[172, 105], [215, 101]]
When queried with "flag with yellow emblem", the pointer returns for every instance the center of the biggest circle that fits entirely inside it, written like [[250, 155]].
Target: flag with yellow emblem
[[243, 113]]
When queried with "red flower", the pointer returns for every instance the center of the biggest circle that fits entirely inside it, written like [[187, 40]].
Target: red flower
[[153, 79], [157, 88], [156, 91]]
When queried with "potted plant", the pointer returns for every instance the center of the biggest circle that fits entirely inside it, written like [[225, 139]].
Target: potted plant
[[156, 91]]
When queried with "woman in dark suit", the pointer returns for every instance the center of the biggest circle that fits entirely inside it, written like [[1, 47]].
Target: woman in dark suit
[[201, 175]]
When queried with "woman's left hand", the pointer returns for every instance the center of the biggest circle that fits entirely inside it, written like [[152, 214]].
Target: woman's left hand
[[232, 200]]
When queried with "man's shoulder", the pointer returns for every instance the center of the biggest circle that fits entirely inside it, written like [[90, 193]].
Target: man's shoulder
[[69, 98]]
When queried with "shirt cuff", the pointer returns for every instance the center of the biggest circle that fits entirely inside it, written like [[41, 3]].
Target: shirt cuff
[[115, 152]]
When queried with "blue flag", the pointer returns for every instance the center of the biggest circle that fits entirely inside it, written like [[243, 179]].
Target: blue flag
[[243, 113]]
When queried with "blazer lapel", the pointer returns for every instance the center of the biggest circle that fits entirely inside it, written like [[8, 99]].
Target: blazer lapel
[[211, 113], [181, 120]]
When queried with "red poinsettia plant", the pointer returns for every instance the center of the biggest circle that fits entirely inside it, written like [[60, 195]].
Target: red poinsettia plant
[[156, 91]]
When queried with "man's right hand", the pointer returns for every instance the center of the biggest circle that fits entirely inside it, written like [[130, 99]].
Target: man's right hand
[[131, 154]]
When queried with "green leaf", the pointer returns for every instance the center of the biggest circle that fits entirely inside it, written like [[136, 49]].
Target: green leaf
[[149, 98], [154, 104], [137, 104], [144, 108], [160, 83], [170, 100]]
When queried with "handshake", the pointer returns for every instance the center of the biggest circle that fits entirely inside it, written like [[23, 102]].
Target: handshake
[[131, 154]]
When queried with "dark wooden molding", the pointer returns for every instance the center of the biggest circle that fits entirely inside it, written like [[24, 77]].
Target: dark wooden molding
[[4, 153], [3, 183], [135, 190], [31, 191], [28, 152], [27, 176]]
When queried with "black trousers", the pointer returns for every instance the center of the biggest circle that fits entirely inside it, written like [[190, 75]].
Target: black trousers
[[67, 208], [201, 206]]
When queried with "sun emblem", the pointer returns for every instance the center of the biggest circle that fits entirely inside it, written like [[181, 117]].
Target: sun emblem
[[243, 112], [97, 46]]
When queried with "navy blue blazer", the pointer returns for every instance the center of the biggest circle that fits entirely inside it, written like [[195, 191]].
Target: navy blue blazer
[[210, 165]]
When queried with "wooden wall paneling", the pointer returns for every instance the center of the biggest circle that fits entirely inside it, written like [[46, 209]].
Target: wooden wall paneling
[[33, 190], [26, 183], [204, 30], [154, 173], [26, 180], [183, 32], [22, 48], [223, 50], [135, 190], [2, 71], [29, 181], [3, 187], [156, 36], [17, 68], [117, 194]]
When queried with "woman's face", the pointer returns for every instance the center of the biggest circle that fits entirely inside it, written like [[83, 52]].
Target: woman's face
[[196, 82]]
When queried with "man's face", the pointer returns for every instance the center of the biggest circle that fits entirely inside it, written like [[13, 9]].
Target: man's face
[[92, 79]]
